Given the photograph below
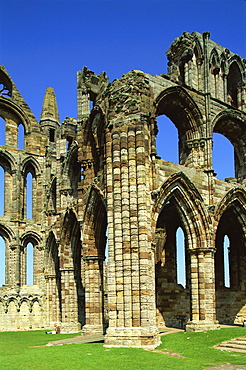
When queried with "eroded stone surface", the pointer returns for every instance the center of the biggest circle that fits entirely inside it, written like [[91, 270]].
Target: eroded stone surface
[[101, 172]]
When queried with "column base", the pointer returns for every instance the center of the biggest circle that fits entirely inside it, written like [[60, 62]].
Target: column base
[[92, 330], [202, 326], [135, 337], [70, 327]]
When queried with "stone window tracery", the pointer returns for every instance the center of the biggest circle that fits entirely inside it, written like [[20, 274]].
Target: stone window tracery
[[4, 90]]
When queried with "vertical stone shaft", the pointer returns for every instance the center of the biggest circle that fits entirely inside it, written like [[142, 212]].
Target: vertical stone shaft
[[134, 272], [202, 289], [194, 286], [69, 301], [93, 295]]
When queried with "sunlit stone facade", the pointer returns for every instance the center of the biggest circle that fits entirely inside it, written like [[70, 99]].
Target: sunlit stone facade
[[98, 181]]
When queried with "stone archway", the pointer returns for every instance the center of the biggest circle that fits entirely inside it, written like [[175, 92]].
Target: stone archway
[[94, 243], [53, 280], [71, 278], [180, 202], [230, 219]]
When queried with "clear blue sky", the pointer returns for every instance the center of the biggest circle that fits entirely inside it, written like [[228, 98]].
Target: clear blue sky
[[44, 42]]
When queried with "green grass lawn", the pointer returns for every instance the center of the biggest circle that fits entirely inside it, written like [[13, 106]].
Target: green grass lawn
[[27, 350]]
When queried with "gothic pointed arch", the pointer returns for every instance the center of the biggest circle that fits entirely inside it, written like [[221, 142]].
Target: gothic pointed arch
[[9, 108], [92, 151], [231, 124], [7, 159], [235, 82], [6, 233], [8, 168], [236, 59], [72, 291], [94, 245], [33, 240], [53, 277], [214, 60], [95, 220], [198, 49], [176, 103], [234, 199], [180, 108], [30, 164], [6, 85], [51, 254], [70, 241], [71, 155], [30, 237], [11, 245], [71, 170], [230, 258], [179, 190]]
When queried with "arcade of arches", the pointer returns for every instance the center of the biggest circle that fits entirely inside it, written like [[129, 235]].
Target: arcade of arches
[[106, 209]]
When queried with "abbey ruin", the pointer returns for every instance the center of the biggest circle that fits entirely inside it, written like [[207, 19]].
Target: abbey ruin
[[98, 180]]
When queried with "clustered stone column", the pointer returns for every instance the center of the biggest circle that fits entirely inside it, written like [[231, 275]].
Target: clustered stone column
[[70, 322], [202, 290], [94, 319], [131, 285], [53, 309]]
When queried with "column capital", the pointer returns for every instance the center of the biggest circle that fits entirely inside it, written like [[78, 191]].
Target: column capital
[[202, 250]]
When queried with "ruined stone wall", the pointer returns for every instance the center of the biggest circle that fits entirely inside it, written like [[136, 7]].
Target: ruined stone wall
[[100, 191]]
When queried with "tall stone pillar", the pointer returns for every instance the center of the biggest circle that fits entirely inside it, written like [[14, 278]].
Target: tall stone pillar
[[203, 316], [94, 295], [53, 304], [131, 283], [69, 298]]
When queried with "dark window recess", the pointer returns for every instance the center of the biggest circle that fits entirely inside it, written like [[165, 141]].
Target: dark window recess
[[52, 135]]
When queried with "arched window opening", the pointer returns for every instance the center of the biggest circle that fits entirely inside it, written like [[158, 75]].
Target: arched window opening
[[233, 83], [68, 143], [29, 264], [180, 257], [29, 196], [2, 131], [198, 65], [2, 191], [226, 251], [167, 140], [215, 72], [2, 262], [223, 157], [21, 136]]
